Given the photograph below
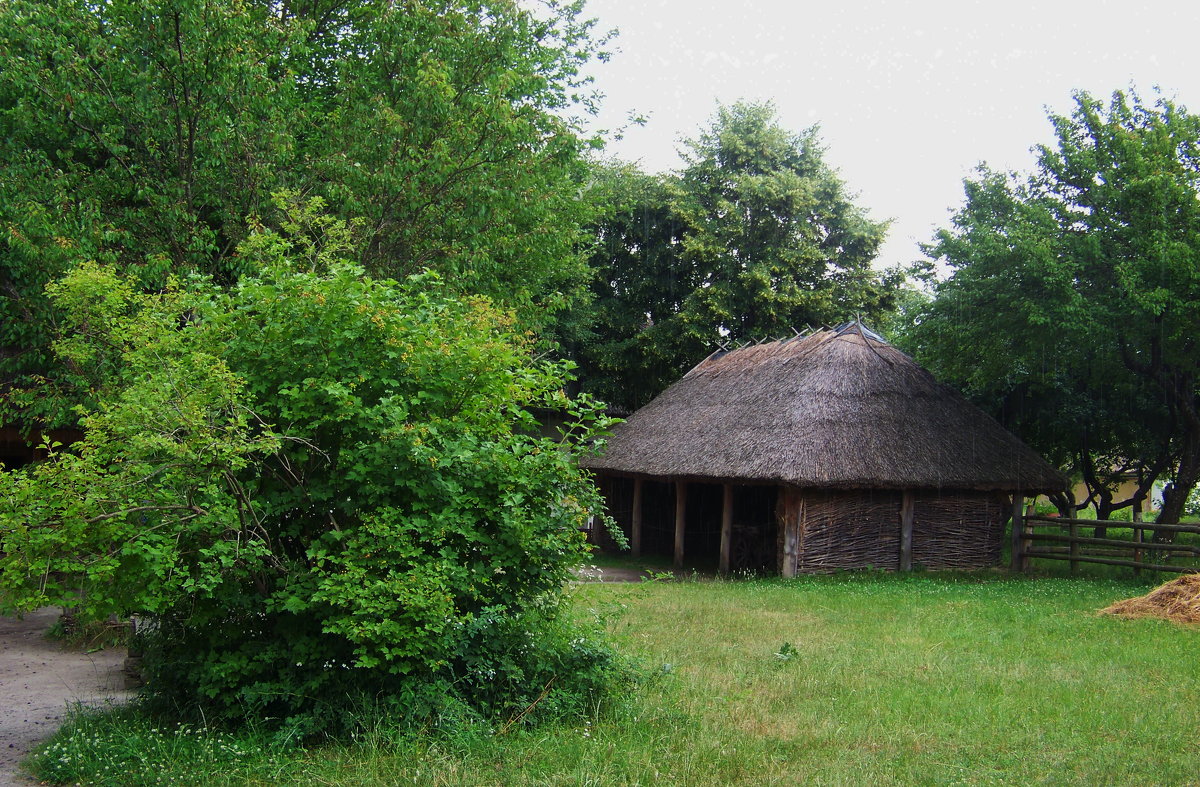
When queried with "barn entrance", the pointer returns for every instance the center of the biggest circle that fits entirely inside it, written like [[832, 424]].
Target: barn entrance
[[753, 532], [14, 451], [19, 448]]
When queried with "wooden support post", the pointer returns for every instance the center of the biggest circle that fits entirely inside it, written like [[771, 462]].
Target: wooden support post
[[789, 510], [726, 529], [1073, 529], [1026, 532], [680, 519], [1018, 527], [906, 530], [635, 535]]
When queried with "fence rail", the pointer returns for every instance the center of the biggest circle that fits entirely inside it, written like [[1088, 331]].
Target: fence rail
[[1076, 548]]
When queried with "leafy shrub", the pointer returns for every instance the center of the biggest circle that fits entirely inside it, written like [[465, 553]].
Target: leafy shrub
[[317, 488], [1191, 509]]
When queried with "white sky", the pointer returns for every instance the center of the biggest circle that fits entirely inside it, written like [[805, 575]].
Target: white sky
[[910, 95]]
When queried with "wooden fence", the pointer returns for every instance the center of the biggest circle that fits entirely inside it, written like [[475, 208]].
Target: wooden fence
[[1065, 542]]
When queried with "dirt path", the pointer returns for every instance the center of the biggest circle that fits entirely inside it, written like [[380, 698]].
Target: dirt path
[[39, 681], [607, 574], [623, 574]]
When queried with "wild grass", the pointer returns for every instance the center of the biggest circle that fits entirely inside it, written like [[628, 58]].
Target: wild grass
[[865, 678]]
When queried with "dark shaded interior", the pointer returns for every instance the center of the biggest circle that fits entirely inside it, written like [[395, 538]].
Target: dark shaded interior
[[753, 542], [14, 453]]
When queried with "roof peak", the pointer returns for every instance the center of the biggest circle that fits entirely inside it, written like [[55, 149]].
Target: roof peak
[[728, 345], [857, 326]]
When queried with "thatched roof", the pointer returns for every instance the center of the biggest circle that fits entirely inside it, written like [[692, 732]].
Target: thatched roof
[[838, 409]]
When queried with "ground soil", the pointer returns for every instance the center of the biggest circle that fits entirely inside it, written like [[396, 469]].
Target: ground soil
[[40, 681], [612, 574]]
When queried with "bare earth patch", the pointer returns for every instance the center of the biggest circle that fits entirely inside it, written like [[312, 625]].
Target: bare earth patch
[[611, 574], [1177, 601], [39, 681]]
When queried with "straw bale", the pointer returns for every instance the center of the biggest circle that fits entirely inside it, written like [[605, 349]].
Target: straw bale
[[1177, 600], [840, 409]]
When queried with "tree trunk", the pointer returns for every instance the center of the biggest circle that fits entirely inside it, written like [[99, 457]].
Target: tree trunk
[[1180, 390], [1176, 494], [1098, 489], [1063, 501]]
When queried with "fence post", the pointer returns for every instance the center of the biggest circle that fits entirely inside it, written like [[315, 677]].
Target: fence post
[[1073, 529], [1137, 539], [1018, 527]]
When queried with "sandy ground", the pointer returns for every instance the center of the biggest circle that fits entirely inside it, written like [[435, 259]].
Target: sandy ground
[[39, 681]]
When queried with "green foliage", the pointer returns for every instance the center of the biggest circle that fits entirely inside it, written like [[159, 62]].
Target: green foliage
[[143, 135], [1075, 295], [754, 237], [910, 291], [316, 487], [626, 344], [772, 227]]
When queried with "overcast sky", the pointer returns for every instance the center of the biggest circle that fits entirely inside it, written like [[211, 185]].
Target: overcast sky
[[909, 96]]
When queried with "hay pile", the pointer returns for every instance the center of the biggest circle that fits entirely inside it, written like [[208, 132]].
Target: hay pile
[[1177, 601]]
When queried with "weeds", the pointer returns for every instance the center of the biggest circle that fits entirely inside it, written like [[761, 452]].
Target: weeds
[[89, 636], [125, 747]]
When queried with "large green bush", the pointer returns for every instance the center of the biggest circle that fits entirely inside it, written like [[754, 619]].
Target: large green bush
[[142, 134], [319, 490]]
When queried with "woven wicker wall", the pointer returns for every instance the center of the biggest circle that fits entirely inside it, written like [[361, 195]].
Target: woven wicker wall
[[836, 530], [964, 530], [847, 530]]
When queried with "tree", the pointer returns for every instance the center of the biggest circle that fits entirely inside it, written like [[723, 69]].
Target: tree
[[754, 237], [624, 343], [143, 135], [1075, 296], [320, 489]]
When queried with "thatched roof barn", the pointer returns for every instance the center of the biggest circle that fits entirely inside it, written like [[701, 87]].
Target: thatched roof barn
[[847, 452]]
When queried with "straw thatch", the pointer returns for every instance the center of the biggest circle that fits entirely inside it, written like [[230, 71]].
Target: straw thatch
[[1177, 600], [840, 409]]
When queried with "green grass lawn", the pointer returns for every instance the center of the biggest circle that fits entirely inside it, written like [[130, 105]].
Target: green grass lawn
[[853, 679]]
